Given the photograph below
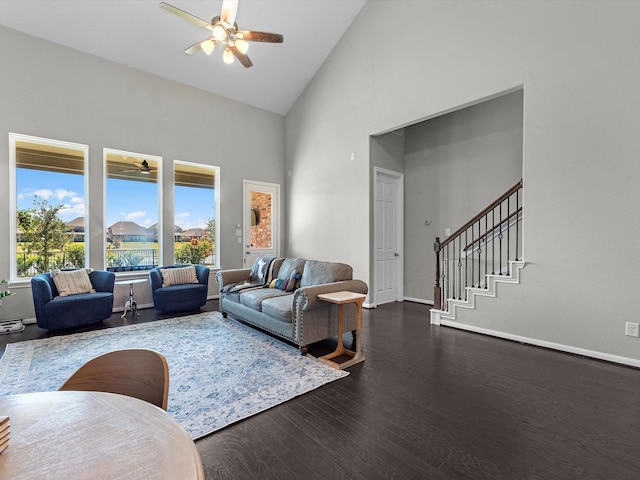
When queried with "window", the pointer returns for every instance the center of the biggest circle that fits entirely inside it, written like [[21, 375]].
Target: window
[[132, 200], [196, 213], [48, 202]]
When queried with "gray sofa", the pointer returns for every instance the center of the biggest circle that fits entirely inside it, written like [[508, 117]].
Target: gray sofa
[[280, 296]]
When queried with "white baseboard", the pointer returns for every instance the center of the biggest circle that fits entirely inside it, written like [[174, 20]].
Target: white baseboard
[[542, 343], [418, 300]]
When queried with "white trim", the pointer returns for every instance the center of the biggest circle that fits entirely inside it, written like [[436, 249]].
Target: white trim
[[159, 186], [13, 139], [276, 225], [419, 300], [216, 203], [542, 343]]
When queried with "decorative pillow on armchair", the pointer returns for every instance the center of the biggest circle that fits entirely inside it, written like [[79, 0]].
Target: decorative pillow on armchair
[[178, 276], [72, 282]]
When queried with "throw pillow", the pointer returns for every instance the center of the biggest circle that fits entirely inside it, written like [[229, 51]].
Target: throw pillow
[[72, 282], [178, 276], [288, 284], [292, 282]]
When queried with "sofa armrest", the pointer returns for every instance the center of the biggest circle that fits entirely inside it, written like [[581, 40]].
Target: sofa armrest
[[228, 277], [306, 298]]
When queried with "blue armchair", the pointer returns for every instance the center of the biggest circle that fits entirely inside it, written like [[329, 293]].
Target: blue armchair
[[55, 312], [180, 297]]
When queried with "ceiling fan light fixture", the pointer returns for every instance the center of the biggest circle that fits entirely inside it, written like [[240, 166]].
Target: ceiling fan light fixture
[[145, 172], [227, 56], [208, 45], [242, 45], [219, 32]]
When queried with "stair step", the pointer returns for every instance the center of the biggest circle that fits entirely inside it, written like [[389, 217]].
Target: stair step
[[472, 292]]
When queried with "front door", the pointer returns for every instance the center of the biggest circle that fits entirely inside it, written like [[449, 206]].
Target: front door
[[388, 236], [261, 209]]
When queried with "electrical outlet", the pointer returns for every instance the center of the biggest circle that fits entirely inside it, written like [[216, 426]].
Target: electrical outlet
[[631, 329]]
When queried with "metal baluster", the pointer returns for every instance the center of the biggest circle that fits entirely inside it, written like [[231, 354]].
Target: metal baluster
[[459, 267], [473, 258], [500, 238], [486, 252], [508, 229], [517, 223], [493, 241]]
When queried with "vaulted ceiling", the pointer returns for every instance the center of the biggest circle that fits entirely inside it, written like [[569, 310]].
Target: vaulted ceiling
[[139, 34]]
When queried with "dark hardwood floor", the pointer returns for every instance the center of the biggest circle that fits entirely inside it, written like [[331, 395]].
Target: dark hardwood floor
[[437, 403]]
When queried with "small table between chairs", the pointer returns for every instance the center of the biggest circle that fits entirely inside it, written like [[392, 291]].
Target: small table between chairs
[[131, 304], [86, 435]]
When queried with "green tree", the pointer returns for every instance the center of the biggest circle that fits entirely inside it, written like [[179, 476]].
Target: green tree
[[194, 252], [210, 231], [74, 255], [43, 232]]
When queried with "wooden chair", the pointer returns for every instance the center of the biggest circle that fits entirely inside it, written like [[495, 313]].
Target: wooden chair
[[139, 373]]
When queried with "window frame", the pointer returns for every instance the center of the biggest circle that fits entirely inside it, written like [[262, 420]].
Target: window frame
[[14, 138], [216, 204], [105, 176]]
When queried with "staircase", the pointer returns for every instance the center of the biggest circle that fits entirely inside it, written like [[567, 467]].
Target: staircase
[[484, 252]]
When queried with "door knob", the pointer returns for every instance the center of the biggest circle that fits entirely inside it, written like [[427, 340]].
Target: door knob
[[396, 254]]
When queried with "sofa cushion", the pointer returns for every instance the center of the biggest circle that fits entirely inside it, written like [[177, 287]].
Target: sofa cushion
[[72, 282], [317, 273], [178, 276], [253, 298], [279, 308]]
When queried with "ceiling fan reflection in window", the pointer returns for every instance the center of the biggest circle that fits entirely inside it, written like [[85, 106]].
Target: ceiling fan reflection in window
[[143, 167], [225, 33]]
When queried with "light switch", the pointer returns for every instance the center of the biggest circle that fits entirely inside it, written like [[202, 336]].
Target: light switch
[[447, 231]]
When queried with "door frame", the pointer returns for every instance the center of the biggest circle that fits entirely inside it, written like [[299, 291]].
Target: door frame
[[399, 177], [248, 185]]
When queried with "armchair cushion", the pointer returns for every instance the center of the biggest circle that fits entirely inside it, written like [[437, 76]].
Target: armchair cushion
[[72, 282], [178, 276]]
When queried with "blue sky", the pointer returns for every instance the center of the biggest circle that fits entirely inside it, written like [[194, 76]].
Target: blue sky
[[126, 200]]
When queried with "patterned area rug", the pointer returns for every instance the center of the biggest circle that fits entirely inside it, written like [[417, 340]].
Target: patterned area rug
[[220, 370]]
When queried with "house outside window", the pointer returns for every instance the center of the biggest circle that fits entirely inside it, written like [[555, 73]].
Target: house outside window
[[48, 203]]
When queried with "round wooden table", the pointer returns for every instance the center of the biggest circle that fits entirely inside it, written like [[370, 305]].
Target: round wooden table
[[93, 435]]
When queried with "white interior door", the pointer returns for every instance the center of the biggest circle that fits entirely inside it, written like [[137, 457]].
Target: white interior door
[[261, 218], [388, 236]]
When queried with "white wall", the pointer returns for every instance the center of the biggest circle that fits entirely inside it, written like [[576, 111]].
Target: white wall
[[54, 92], [575, 61]]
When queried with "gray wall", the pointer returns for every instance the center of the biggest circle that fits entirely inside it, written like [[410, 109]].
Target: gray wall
[[455, 165], [580, 149], [54, 92]]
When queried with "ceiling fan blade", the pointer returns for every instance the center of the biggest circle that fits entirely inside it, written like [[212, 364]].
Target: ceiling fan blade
[[195, 47], [242, 58], [139, 165], [186, 15], [251, 36], [229, 11]]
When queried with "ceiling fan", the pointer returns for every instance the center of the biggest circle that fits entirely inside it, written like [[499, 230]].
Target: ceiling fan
[[142, 167], [224, 32]]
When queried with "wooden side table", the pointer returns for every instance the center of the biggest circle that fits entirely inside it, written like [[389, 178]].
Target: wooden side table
[[341, 357]]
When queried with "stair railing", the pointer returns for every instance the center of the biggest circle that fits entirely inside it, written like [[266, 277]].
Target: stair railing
[[482, 246]]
